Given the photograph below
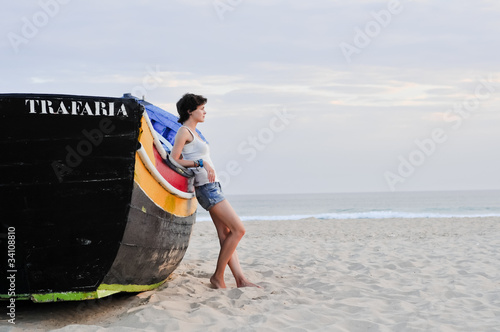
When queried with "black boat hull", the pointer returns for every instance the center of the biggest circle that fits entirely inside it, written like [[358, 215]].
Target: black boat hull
[[73, 198]]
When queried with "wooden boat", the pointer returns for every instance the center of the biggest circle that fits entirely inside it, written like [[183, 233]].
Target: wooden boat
[[90, 202]]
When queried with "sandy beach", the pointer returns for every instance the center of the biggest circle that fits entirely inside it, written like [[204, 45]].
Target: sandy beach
[[316, 275]]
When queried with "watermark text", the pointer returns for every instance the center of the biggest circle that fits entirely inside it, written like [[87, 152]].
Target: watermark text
[[31, 26], [426, 147], [11, 274]]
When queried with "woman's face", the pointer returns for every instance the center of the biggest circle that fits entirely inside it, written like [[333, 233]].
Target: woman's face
[[199, 113]]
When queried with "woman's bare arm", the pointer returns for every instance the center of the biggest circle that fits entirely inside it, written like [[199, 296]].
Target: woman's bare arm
[[182, 137]]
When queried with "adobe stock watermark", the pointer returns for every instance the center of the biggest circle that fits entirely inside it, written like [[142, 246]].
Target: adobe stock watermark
[[250, 147], [150, 82], [372, 29], [426, 147], [76, 154], [11, 274], [32, 25], [223, 6]]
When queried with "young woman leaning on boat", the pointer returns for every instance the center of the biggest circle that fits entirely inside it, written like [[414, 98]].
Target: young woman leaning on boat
[[196, 155]]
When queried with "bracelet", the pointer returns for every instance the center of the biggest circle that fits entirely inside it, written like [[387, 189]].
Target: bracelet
[[196, 163], [200, 162]]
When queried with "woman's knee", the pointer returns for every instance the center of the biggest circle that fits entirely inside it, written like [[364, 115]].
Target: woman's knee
[[227, 217], [239, 231]]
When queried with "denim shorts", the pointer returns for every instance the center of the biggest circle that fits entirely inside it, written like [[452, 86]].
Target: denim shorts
[[209, 194]]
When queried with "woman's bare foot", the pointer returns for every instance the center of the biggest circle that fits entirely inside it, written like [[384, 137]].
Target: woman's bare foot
[[246, 283], [217, 283]]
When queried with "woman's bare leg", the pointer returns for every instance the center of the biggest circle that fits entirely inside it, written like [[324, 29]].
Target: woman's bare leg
[[234, 263], [224, 214], [227, 216]]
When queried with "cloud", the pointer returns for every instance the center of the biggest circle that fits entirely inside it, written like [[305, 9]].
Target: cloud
[[39, 80]]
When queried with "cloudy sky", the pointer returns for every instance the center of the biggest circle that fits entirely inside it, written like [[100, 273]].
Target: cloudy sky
[[303, 96]]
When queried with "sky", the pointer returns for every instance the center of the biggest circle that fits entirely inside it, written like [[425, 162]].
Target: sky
[[303, 96]]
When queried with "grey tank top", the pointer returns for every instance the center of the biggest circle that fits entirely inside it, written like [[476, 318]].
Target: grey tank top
[[194, 150]]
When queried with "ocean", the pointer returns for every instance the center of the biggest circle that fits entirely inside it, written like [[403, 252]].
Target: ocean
[[432, 204]]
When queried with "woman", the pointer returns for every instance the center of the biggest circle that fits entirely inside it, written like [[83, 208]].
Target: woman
[[195, 155]]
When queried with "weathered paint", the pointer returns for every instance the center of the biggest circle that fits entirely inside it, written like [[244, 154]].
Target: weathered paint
[[18, 296], [153, 244], [130, 288], [72, 296]]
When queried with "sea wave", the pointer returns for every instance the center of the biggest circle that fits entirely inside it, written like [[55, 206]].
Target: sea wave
[[363, 215]]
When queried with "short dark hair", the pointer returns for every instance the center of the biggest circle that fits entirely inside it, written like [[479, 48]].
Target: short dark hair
[[188, 103]]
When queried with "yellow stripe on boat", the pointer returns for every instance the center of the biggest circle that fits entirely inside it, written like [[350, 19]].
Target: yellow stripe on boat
[[146, 139]]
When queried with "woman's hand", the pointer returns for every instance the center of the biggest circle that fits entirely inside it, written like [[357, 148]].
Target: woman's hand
[[210, 171]]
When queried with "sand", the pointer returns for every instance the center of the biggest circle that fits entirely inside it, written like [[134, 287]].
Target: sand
[[316, 275]]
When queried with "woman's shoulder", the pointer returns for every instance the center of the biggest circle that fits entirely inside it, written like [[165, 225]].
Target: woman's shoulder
[[184, 134]]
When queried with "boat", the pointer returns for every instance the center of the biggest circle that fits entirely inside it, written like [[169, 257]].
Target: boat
[[91, 204]]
